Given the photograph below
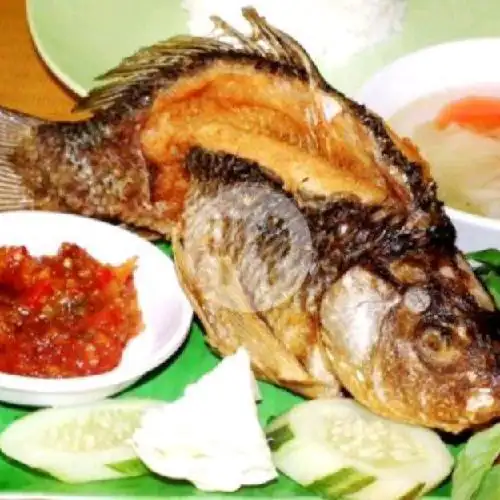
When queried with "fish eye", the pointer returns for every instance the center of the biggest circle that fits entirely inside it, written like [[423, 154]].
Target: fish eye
[[433, 340], [436, 347]]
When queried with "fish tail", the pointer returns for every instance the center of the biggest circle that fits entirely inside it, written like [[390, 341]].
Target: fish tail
[[14, 126]]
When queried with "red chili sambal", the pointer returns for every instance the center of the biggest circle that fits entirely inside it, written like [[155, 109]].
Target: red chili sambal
[[65, 315]]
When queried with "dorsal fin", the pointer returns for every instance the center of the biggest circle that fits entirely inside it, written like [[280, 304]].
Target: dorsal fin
[[138, 73]]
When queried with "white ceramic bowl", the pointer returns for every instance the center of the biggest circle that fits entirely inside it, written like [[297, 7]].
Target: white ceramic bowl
[[466, 65], [167, 314]]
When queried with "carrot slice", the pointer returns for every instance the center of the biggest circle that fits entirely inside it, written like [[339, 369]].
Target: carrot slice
[[481, 114]]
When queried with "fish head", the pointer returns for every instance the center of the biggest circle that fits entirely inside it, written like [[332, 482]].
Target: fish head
[[417, 340], [394, 310]]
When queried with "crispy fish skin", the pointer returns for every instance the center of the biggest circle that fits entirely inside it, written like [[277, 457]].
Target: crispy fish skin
[[381, 302]]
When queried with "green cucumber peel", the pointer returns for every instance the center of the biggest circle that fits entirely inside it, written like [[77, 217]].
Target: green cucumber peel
[[414, 493], [278, 437], [132, 467], [345, 481]]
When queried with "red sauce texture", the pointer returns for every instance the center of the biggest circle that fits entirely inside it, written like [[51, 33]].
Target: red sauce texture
[[65, 315]]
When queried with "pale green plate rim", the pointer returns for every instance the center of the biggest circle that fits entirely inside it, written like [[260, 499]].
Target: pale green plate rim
[[94, 28], [45, 54]]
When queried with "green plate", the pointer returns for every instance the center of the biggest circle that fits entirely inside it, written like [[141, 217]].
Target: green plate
[[80, 39]]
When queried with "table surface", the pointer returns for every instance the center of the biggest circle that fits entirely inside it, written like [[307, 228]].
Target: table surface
[[25, 83]]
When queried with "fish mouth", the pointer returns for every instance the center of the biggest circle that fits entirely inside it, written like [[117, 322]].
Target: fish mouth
[[477, 383], [482, 405]]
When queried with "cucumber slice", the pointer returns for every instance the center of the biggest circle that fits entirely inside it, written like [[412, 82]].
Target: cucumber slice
[[79, 444], [339, 450]]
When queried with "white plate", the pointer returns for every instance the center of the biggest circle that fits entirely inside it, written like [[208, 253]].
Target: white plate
[[468, 65], [167, 314]]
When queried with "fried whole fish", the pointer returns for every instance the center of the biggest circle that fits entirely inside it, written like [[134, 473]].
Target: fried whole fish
[[304, 229]]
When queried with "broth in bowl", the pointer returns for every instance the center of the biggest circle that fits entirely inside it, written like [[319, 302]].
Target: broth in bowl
[[458, 133]]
